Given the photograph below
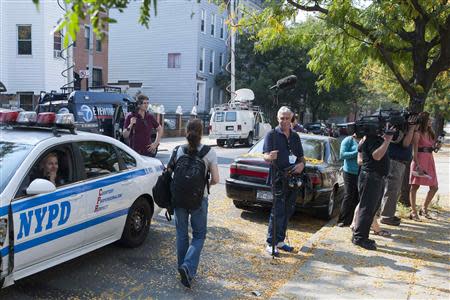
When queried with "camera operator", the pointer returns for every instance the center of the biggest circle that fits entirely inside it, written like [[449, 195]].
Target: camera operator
[[138, 128], [400, 155], [375, 166], [283, 148]]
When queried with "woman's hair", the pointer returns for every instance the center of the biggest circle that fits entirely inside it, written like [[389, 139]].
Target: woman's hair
[[423, 119], [194, 132]]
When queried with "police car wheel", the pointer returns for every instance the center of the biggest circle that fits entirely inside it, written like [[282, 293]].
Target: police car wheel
[[137, 224]]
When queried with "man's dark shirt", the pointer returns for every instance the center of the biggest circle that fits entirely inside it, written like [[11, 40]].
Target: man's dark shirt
[[140, 135], [284, 146], [369, 146], [398, 152]]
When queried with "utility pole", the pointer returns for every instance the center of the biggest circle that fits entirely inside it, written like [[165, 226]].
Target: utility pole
[[91, 56], [69, 59], [233, 39]]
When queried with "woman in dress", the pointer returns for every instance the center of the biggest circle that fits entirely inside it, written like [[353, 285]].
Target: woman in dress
[[423, 169]]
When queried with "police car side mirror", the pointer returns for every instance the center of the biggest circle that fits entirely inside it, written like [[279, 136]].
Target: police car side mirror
[[40, 186]]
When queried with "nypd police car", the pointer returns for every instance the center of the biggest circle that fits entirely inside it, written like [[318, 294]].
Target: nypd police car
[[102, 193]]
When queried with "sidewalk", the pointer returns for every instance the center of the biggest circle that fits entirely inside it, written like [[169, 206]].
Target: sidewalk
[[412, 264], [167, 144]]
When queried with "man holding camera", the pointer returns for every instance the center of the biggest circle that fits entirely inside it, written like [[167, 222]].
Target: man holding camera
[[375, 166], [283, 148], [138, 129], [400, 155]]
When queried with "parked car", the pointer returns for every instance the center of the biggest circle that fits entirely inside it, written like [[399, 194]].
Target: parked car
[[322, 190], [103, 194], [316, 128]]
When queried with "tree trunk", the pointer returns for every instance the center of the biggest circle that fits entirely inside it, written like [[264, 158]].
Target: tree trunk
[[417, 103], [438, 124]]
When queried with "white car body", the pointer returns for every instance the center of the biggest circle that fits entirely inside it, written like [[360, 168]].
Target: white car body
[[47, 229]]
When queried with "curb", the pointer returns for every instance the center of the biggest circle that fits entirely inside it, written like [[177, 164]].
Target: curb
[[309, 245]]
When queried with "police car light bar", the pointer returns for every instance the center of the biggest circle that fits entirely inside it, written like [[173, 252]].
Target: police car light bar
[[46, 119], [27, 118], [8, 117]]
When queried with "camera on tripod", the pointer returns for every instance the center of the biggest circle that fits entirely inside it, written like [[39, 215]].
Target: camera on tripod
[[376, 124]]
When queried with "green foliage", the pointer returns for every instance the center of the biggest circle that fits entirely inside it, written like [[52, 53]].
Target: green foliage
[[408, 38], [260, 70]]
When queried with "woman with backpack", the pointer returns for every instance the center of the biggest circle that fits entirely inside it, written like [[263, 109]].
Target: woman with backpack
[[190, 187]]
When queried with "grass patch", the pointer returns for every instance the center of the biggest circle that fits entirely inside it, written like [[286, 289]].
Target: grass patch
[[403, 211]]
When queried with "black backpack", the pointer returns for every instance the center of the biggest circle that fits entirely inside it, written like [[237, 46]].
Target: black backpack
[[189, 179], [161, 191]]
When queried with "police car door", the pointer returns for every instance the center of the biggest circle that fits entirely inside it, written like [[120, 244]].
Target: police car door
[[48, 225], [108, 202]]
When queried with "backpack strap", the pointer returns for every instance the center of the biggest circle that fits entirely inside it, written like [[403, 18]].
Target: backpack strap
[[171, 163], [202, 153]]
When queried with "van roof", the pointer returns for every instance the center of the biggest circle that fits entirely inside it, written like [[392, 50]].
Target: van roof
[[88, 97]]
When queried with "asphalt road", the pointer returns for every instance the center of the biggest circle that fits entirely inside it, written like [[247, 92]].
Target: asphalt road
[[233, 263]]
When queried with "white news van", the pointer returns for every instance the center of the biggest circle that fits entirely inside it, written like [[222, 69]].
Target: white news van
[[238, 121]]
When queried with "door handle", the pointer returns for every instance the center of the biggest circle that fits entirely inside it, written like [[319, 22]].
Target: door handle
[[75, 197], [126, 182]]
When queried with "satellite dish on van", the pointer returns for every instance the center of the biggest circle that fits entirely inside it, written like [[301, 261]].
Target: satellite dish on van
[[244, 95], [2, 87]]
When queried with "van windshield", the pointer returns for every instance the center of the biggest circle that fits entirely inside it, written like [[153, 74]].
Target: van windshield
[[11, 156]]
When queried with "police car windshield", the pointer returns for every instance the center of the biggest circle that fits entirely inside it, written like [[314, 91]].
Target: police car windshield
[[11, 156]]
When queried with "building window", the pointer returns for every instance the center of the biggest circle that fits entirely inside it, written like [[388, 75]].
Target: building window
[[174, 60], [211, 62], [24, 40], [220, 96], [197, 94], [97, 77], [211, 97], [222, 28], [26, 100], [57, 44], [221, 60], [87, 34], [202, 21], [98, 45], [202, 60], [213, 22]]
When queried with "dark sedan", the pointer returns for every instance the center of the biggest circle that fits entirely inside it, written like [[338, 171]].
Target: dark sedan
[[321, 192], [316, 128]]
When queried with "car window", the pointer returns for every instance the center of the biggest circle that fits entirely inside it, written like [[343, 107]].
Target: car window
[[231, 116], [313, 149], [128, 160], [99, 159], [55, 164], [11, 156], [218, 116]]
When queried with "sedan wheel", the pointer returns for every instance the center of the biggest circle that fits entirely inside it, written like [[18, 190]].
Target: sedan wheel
[[137, 224]]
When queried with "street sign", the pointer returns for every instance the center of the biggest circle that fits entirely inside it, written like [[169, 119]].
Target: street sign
[[84, 73]]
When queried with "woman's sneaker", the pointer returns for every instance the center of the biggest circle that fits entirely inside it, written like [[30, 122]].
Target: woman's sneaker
[[285, 247], [269, 250]]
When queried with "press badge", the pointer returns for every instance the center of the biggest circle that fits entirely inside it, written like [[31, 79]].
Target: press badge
[[292, 159]]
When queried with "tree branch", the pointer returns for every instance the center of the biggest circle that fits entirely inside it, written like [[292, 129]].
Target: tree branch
[[315, 8], [388, 59], [443, 62], [420, 10]]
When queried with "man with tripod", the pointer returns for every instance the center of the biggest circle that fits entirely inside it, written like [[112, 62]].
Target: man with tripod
[[283, 149], [138, 129]]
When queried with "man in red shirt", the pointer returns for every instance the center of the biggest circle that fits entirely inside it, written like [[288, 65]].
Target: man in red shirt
[[138, 129]]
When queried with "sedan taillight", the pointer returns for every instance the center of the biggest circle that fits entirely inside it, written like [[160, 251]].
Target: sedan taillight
[[316, 179], [236, 171]]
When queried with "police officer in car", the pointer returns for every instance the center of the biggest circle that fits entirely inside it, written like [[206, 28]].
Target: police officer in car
[[283, 148]]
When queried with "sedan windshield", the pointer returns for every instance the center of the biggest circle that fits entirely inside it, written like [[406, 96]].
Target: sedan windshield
[[312, 149], [11, 156]]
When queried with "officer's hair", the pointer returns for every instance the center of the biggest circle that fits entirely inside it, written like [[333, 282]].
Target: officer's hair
[[283, 110]]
